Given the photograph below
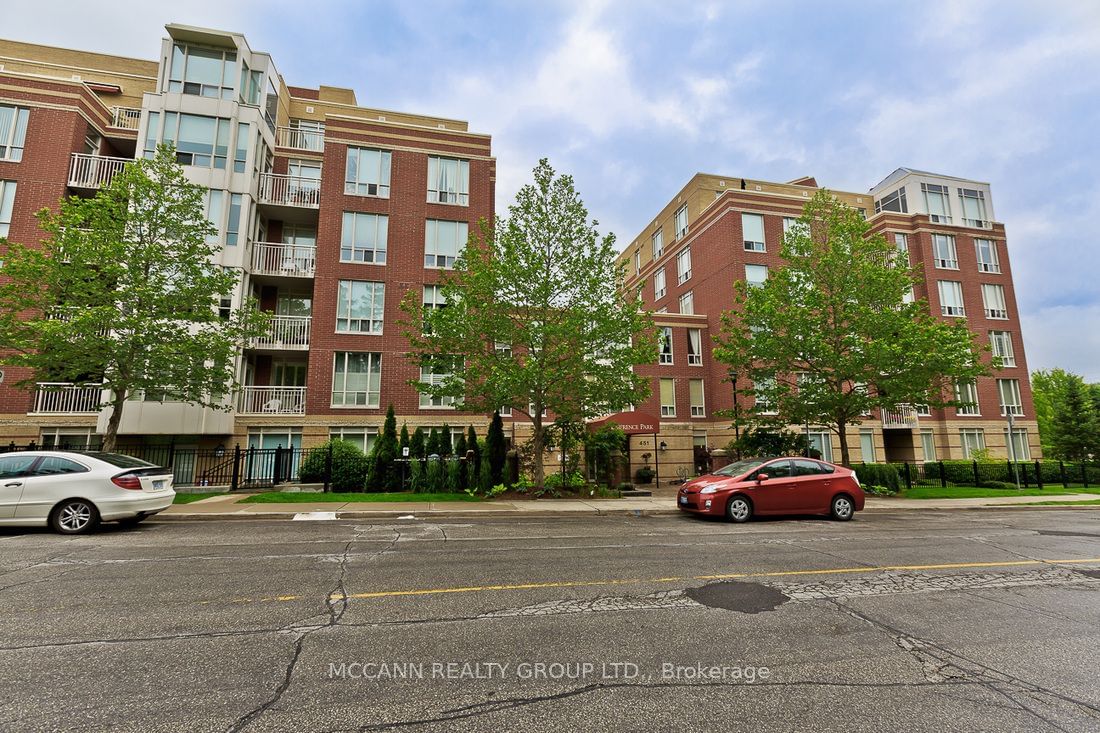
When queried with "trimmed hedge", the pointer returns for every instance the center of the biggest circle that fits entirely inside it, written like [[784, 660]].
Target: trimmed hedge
[[879, 474], [349, 466]]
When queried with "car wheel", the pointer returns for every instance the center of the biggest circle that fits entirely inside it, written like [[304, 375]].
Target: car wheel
[[739, 509], [74, 516], [842, 509]]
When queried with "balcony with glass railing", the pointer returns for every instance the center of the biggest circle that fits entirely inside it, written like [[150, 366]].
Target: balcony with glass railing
[[900, 417], [66, 398], [284, 260], [300, 139], [285, 333], [254, 400], [282, 189], [93, 171]]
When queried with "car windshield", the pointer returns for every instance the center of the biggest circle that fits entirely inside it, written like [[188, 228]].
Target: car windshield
[[739, 467], [117, 459]]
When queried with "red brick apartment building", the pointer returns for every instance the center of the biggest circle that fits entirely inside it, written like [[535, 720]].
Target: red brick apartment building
[[330, 211], [717, 230]]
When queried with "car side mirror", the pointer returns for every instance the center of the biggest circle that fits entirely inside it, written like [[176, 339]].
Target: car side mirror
[[761, 477]]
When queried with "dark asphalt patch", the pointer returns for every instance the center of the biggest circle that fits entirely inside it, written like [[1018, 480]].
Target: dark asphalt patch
[[738, 596], [1090, 573], [1060, 533]]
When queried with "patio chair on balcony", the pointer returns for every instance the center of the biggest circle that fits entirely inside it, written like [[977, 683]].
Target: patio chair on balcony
[[273, 405]]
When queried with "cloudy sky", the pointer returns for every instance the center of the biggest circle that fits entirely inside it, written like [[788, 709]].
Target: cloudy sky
[[633, 97]]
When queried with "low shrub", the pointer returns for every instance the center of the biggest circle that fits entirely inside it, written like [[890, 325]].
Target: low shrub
[[349, 466], [879, 474], [644, 475], [997, 485]]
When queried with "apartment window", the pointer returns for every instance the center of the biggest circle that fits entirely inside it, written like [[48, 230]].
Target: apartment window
[[1001, 344], [951, 298], [361, 437], [503, 349], [993, 298], [894, 201], [233, 226], [966, 394], [973, 440], [666, 345], [867, 445], [668, 398], [310, 134], [215, 209], [987, 255], [435, 372], [752, 231], [659, 284], [821, 444], [681, 221], [433, 298], [252, 85], [204, 72], [901, 242], [13, 131], [687, 303], [936, 202], [922, 410], [973, 207], [928, 444], [443, 242], [152, 134], [360, 306], [637, 261], [683, 266], [306, 174], [944, 252], [240, 153], [356, 379], [1018, 448], [1009, 391], [695, 347], [762, 394], [657, 241], [368, 172], [756, 275], [363, 238], [69, 438], [200, 141], [695, 391], [448, 181]]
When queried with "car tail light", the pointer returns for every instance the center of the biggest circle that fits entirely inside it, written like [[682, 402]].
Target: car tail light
[[856, 479], [127, 481]]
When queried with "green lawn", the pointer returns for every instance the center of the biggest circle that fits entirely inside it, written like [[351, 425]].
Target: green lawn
[[294, 497], [973, 492], [189, 497], [1065, 503]]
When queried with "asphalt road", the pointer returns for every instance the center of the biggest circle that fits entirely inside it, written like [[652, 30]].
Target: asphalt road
[[981, 620]]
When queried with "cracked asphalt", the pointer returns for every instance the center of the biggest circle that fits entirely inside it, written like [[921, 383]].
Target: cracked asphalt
[[960, 620]]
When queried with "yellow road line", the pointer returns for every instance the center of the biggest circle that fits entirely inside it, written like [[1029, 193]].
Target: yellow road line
[[723, 576]]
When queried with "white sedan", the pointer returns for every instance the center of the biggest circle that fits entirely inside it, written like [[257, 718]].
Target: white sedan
[[74, 492]]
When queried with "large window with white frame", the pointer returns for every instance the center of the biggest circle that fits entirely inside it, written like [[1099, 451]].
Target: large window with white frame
[[987, 255], [70, 438], [1000, 342], [695, 346], [659, 284], [928, 444], [695, 393], [821, 444], [668, 398], [356, 379], [993, 299], [683, 265], [362, 437], [433, 298], [360, 306], [972, 441], [363, 238], [756, 275], [444, 242], [687, 303], [752, 232], [973, 207], [1009, 392], [657, 243], [448, 181], [901, 255], [893, 201], [214, 203], [199, 140], [204, 72], [13, 132], [936, 202], [435, 371], [1018, 448], [867, 445], [762, 395], [367, 172], [681, 221], [944, 253], [666, 345], [966, 394], [951, 298], [7, 203]]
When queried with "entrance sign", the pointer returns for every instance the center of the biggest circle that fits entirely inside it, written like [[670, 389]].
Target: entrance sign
[[631, 423]]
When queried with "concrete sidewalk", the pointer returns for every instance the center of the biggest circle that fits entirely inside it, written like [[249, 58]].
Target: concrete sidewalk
[[229, 507]]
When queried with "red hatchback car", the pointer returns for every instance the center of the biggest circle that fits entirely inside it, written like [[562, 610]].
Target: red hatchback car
[[764, 486]]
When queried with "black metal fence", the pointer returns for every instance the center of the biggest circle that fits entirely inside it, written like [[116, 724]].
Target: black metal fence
[[999, 474], [233, 468]]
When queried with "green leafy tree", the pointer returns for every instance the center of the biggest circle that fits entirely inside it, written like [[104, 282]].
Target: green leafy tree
[[828, 337], [758, 442], [460, 462], [385, 472], [435, 445], [472, 444], [496, 449], [124, 292], [1049, 389], [1073, 427], [403, 440], [535, 317], [445, 435], [417, 448]]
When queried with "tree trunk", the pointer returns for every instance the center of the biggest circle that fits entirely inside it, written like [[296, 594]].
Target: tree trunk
[[538, 441], [111, 438], [842, 433]]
